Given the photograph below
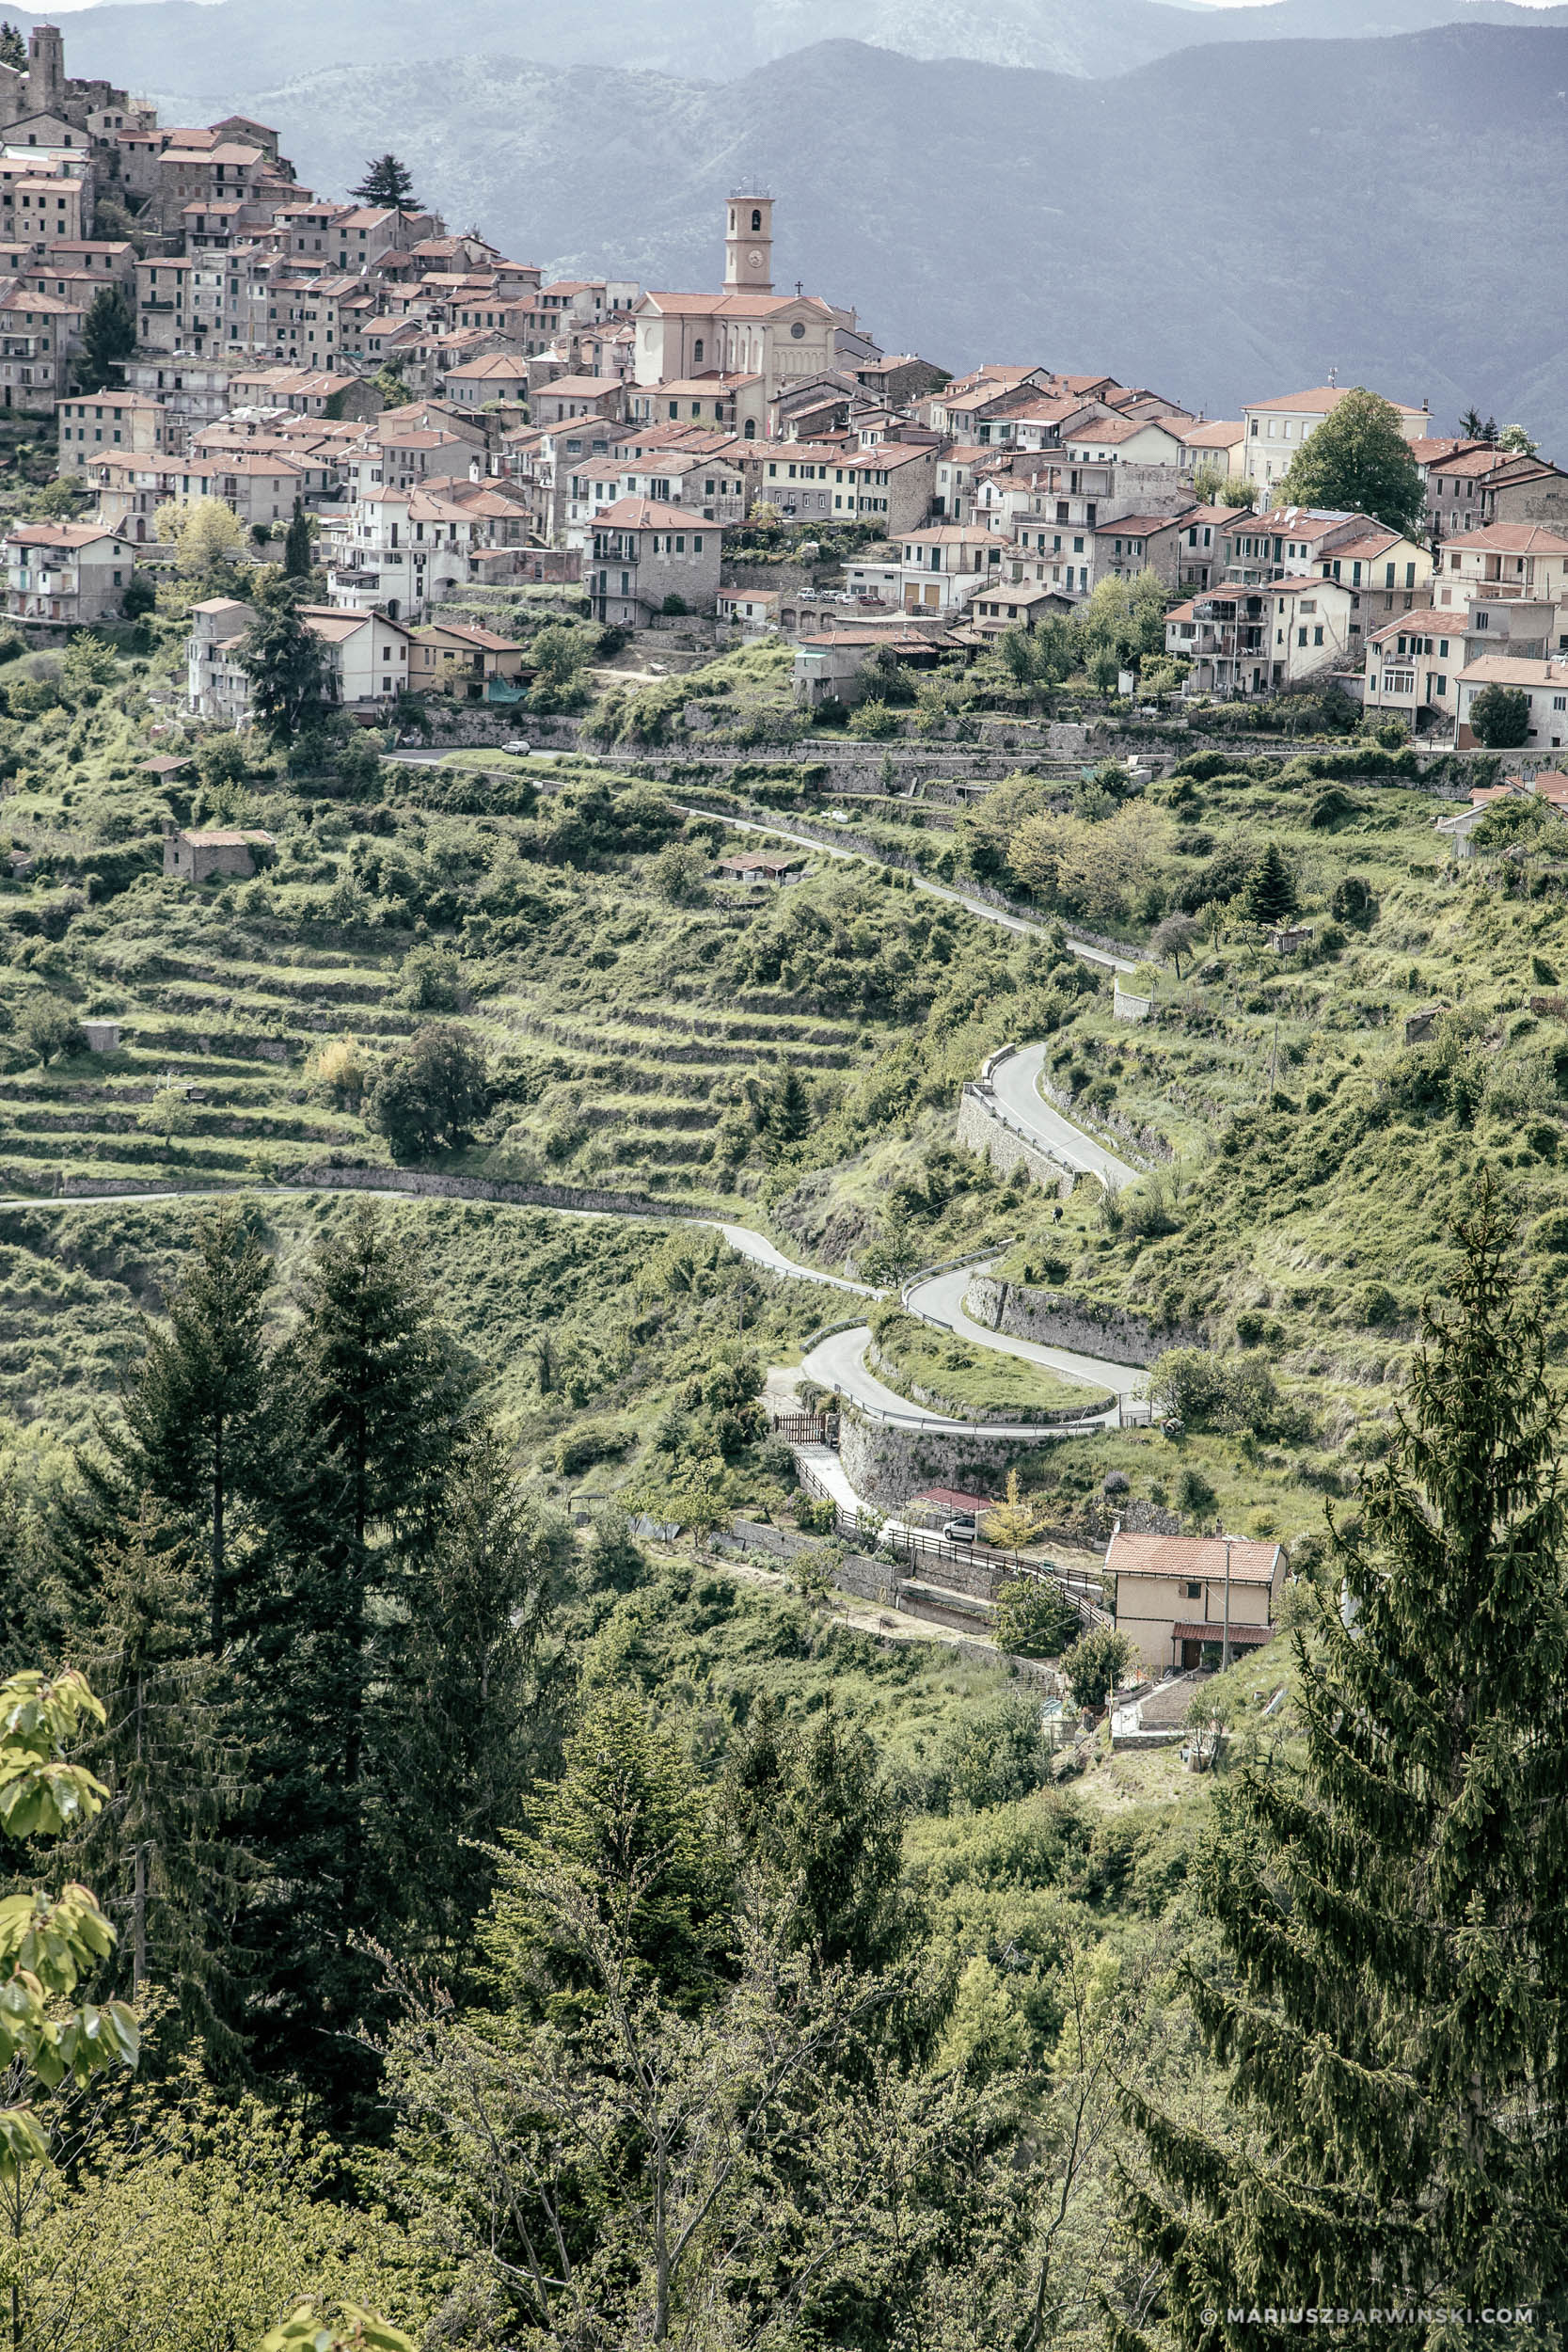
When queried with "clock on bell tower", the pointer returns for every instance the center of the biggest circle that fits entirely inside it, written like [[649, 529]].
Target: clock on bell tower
[[749, 245]]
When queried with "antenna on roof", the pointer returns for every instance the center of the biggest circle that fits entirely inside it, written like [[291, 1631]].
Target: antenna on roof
[[1333, 377]]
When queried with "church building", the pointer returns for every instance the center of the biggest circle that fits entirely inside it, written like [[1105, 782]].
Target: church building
[[747, 330]]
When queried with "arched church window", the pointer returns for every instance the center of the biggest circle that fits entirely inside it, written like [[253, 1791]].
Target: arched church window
[[756, 217]]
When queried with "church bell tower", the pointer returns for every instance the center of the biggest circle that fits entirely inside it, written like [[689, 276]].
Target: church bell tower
[[749, 246]]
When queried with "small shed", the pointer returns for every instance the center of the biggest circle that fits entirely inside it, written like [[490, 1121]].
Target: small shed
[[774, 868], [1422, 1023], [103, 1036], [935, 1505], [1291, 938], [190, 856], [164, 765]]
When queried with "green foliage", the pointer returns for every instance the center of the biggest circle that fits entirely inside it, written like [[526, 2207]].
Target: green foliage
[[1499, 716], [872, 721], [1095, 1663], [429, 1097], [297, 545], [1348, 1894], [47, 1029], [1032, 1618], [1270, 894], [388, 181], [287, 669], [108, 340], [1358, 460], [13, 47]]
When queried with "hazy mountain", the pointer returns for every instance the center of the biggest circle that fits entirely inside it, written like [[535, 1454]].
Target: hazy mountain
[[1233, 219], [200, 58]]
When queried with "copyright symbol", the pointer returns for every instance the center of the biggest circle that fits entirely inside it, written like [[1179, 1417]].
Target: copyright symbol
[[1210, 2317]]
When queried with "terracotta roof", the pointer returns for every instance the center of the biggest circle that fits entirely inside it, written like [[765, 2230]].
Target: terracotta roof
[[647, 514], [955, 1499], [1219, 433], [1321, 399], [1191, 1556], [1139, 525], [1110, 429], [1512, 539], [1242, 1636], [1501, 669]]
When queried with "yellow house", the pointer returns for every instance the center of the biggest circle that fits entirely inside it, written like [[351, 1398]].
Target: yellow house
[[458, 658], [1177, 1596]]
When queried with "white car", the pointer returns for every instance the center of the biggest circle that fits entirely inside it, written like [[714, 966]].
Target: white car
[[518, 746], [958, 1532]]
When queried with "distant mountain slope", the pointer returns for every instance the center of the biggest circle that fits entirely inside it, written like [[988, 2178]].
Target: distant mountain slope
[[1231, 221], [202, 58]]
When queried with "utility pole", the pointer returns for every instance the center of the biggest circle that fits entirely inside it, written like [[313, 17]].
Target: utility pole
[[1225, 1647]]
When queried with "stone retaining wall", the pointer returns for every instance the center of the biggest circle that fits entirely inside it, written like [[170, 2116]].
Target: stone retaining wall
[[1004, 1416], [1148, 1140], [885, 1465], [982, 1130], [1058, 1319]]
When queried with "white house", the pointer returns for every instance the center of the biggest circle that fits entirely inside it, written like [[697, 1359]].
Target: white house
[[65, 574], [1543, 685]]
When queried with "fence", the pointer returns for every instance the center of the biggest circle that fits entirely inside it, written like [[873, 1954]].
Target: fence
[[913, 1545], [807, 1428]]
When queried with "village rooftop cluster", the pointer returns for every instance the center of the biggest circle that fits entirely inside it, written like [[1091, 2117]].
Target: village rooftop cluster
[[596, 436]]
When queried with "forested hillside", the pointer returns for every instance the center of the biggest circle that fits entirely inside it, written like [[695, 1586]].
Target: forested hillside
[[544, 1926]]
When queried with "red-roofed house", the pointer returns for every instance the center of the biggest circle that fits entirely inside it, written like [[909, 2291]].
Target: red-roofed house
[[1180, 1597], [64, 575], [645, 556]]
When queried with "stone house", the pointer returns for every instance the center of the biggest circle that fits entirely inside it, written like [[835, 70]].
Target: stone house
[[643, 554], [193, 857]]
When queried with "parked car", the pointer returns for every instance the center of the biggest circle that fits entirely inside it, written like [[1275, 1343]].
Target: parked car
[[958, 1532], [518, 745]]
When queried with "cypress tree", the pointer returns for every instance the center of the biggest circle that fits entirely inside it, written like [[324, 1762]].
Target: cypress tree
[[298, 548], [1393, 2000], [786, 1117]]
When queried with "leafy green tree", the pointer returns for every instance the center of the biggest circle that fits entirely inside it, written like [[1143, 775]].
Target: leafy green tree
[[108, 340], [1176, 937], [1358, 459], [299, 546], [88, 666], [1240, 493], [1033, 1619], [221, 760], [1517, 442], [141, 597], [1389, 2003], [388, 181], [466, 1720], [49, 1943], [208, 537], [1271, 895], [46, 1028], [812, 1810], [429, 1097], [288, 670], [1095, 1663], [1500, 717], [171, 1767]]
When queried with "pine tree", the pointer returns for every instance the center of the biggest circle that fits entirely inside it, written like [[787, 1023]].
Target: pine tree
[[787, 1113], [1271, 895], [1395, 1974], [298, 551], [811, 1811], [196, 1411], [108, 340], [388, 181], [13, 48], [287, 665], [466, 1722], [166, 1870]]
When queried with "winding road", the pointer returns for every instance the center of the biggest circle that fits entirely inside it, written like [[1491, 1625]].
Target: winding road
[[1015, 1083], [940, 1299]]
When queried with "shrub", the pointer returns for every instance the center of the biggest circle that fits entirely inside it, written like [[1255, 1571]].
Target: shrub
[[1353, 903], [577, 1450], [1500, 717], [430, 981], [1193, 1494], [816, 1514], [342, 1070], [873, 719]]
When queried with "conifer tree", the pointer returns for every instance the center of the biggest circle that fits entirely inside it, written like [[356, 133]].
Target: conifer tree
[[388, 181], [786, 1114], [1395, 1984], [1271, 895], [108, 340], [297, 545], [195, 1413], [171, 1763], [13, 48]]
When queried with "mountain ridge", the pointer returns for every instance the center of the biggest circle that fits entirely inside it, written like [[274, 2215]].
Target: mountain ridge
[[1083, 223]]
